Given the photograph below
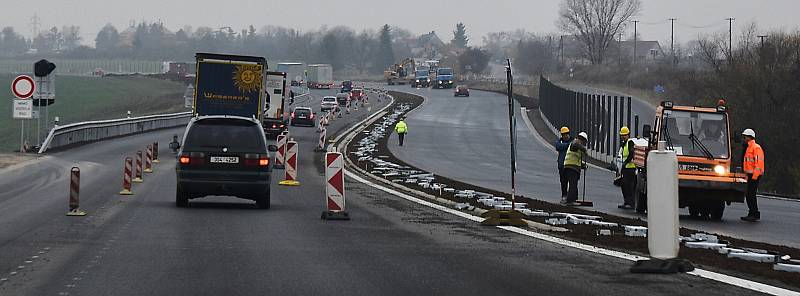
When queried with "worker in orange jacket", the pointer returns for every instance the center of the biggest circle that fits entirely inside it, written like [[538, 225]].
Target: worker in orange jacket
[[754, 167]]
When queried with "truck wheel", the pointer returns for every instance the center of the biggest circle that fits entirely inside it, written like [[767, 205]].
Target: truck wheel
[[263, 201], [181, 200], [716, 209]]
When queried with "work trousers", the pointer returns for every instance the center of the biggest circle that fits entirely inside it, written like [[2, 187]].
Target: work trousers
[[628, 185], [562, 176], [750, 196], [572, 179], [401, 136]]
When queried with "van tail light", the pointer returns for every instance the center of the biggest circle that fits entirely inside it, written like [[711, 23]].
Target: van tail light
[[194, 158], [253, 160], [274, 125], [312, 116], [292, 115]]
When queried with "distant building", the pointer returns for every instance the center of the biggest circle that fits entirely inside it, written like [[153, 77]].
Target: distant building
[[573, 51]]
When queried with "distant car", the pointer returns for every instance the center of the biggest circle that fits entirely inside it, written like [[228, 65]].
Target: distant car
[[328, 103], [461, 90], [347, 86], [343, 98], [223, 155], [356, 94], [302, 116]]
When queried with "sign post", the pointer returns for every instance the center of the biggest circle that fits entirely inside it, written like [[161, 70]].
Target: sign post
[[23, 88]]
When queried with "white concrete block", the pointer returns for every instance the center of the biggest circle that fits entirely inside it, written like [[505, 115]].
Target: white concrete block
[[705, 245], [603, 224], [726, 250], [603, 232], [449, 190], [502, 207], [705, 237], [461, 206], [787, 267], [753, 257]]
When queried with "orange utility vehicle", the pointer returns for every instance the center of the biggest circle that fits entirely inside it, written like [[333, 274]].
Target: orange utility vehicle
[[701, 137]]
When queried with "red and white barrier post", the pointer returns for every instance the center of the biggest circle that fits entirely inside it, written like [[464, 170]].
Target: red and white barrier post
[[138, 168], [334, 187], [347, 108], [290, 178], [321, 142], [280, 156], [74, 192], [155, 152], [126, 177], [148, 161]]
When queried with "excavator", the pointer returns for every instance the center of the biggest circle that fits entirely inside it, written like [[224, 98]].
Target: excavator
[[398, 73]]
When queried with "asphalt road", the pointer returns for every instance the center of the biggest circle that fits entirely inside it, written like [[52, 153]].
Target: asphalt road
[[144, 245], [467, 139]]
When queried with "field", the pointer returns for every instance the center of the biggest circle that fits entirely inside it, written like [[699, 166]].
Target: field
[[91, 98], [84, 66]]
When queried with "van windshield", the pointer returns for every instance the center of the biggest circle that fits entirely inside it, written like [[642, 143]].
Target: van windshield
[[709, 130]]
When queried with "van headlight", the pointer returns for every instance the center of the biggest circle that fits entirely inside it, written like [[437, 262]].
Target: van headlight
[[720, 170]]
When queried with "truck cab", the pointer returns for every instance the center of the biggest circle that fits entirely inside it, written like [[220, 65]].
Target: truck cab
[[421, 78], [444, 78], [701, 138]]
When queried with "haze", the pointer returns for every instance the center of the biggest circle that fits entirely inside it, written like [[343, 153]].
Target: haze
[[418, 16]]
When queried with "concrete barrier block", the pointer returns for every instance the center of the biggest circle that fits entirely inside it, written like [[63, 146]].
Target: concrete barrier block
[[753, 257], [704, 245], [787, 267]]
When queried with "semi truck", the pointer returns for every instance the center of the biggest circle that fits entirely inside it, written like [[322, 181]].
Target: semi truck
[[421, 78], [444, 78], [320, 76], [229, 85], [701, 138], [275, 119], [295, 72]]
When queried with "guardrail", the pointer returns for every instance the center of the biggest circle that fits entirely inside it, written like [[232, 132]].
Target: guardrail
[[90, 131]]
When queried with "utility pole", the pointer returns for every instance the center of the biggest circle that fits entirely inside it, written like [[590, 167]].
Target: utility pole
[[672, 40], [619, 50], [762, 37], [561, 51], [730, 37], [634, 40]]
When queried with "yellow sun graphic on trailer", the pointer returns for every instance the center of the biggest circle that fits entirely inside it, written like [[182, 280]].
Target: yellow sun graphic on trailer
[[247, 78]]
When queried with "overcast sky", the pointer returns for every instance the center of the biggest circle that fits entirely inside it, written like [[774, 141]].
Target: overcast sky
[[480, 16]]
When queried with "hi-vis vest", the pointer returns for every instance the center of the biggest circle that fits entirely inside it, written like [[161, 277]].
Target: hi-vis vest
[[573, 158], [754, 160], [625, 153], [401, 127]]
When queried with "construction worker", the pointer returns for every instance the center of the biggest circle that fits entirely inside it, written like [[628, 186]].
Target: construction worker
[[628, 169], [573, 164], [753, 165], [562, 144], [401, 129]]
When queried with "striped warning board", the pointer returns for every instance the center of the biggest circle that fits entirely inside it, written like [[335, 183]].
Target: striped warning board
[[290, 176], [639, 155], [281, 154], [334, 187]]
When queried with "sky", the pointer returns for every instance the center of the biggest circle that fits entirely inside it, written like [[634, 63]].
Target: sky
[[480, 17]]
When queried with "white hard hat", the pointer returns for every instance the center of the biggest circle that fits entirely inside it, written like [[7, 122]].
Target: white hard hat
[[584, 136], [749, 132]]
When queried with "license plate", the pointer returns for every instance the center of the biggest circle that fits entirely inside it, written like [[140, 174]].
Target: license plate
[[224, 159]]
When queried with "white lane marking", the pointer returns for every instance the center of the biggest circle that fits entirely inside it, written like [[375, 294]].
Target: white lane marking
[[739, 282]]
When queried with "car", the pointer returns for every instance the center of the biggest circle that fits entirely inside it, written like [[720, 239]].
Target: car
[[302, 116], [343, 98], [223, 155], [347, 86], [328, 103], [357, 93], [461, 90]]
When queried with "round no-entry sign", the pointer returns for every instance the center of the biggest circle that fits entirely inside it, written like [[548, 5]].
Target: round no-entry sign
[[23, 87]]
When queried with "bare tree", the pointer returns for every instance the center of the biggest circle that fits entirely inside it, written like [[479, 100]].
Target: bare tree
[[596, 22]]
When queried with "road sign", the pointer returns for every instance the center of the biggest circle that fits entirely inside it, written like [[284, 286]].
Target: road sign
[[23, 86], [23, 109]]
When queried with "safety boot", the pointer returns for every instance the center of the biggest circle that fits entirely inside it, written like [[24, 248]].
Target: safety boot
[[752, 217]]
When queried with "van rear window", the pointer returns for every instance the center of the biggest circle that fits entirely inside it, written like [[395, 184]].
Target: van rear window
[[234, 134]]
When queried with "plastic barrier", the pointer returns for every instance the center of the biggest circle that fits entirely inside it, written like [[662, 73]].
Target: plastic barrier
[[74, 193], [334, 187], [126, 177], [138, 168], [290, 173]]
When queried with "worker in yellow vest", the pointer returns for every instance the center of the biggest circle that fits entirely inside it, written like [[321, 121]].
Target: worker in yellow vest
[[574, 162], [628, 169], [401, 129]]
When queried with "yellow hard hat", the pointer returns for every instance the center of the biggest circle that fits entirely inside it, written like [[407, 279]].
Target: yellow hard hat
[[624, 131], [564, 130]]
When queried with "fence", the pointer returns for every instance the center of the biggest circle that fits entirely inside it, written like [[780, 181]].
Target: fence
[[90, 131], [599, 115]]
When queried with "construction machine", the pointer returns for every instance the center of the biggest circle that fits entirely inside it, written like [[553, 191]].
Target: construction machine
[[398, 73], [701, 138]]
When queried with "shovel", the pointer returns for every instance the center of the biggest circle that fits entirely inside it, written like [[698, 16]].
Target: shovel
[[583, 202]]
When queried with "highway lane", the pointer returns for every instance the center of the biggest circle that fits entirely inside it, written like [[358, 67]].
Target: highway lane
[[144, 245], [467, 139]]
